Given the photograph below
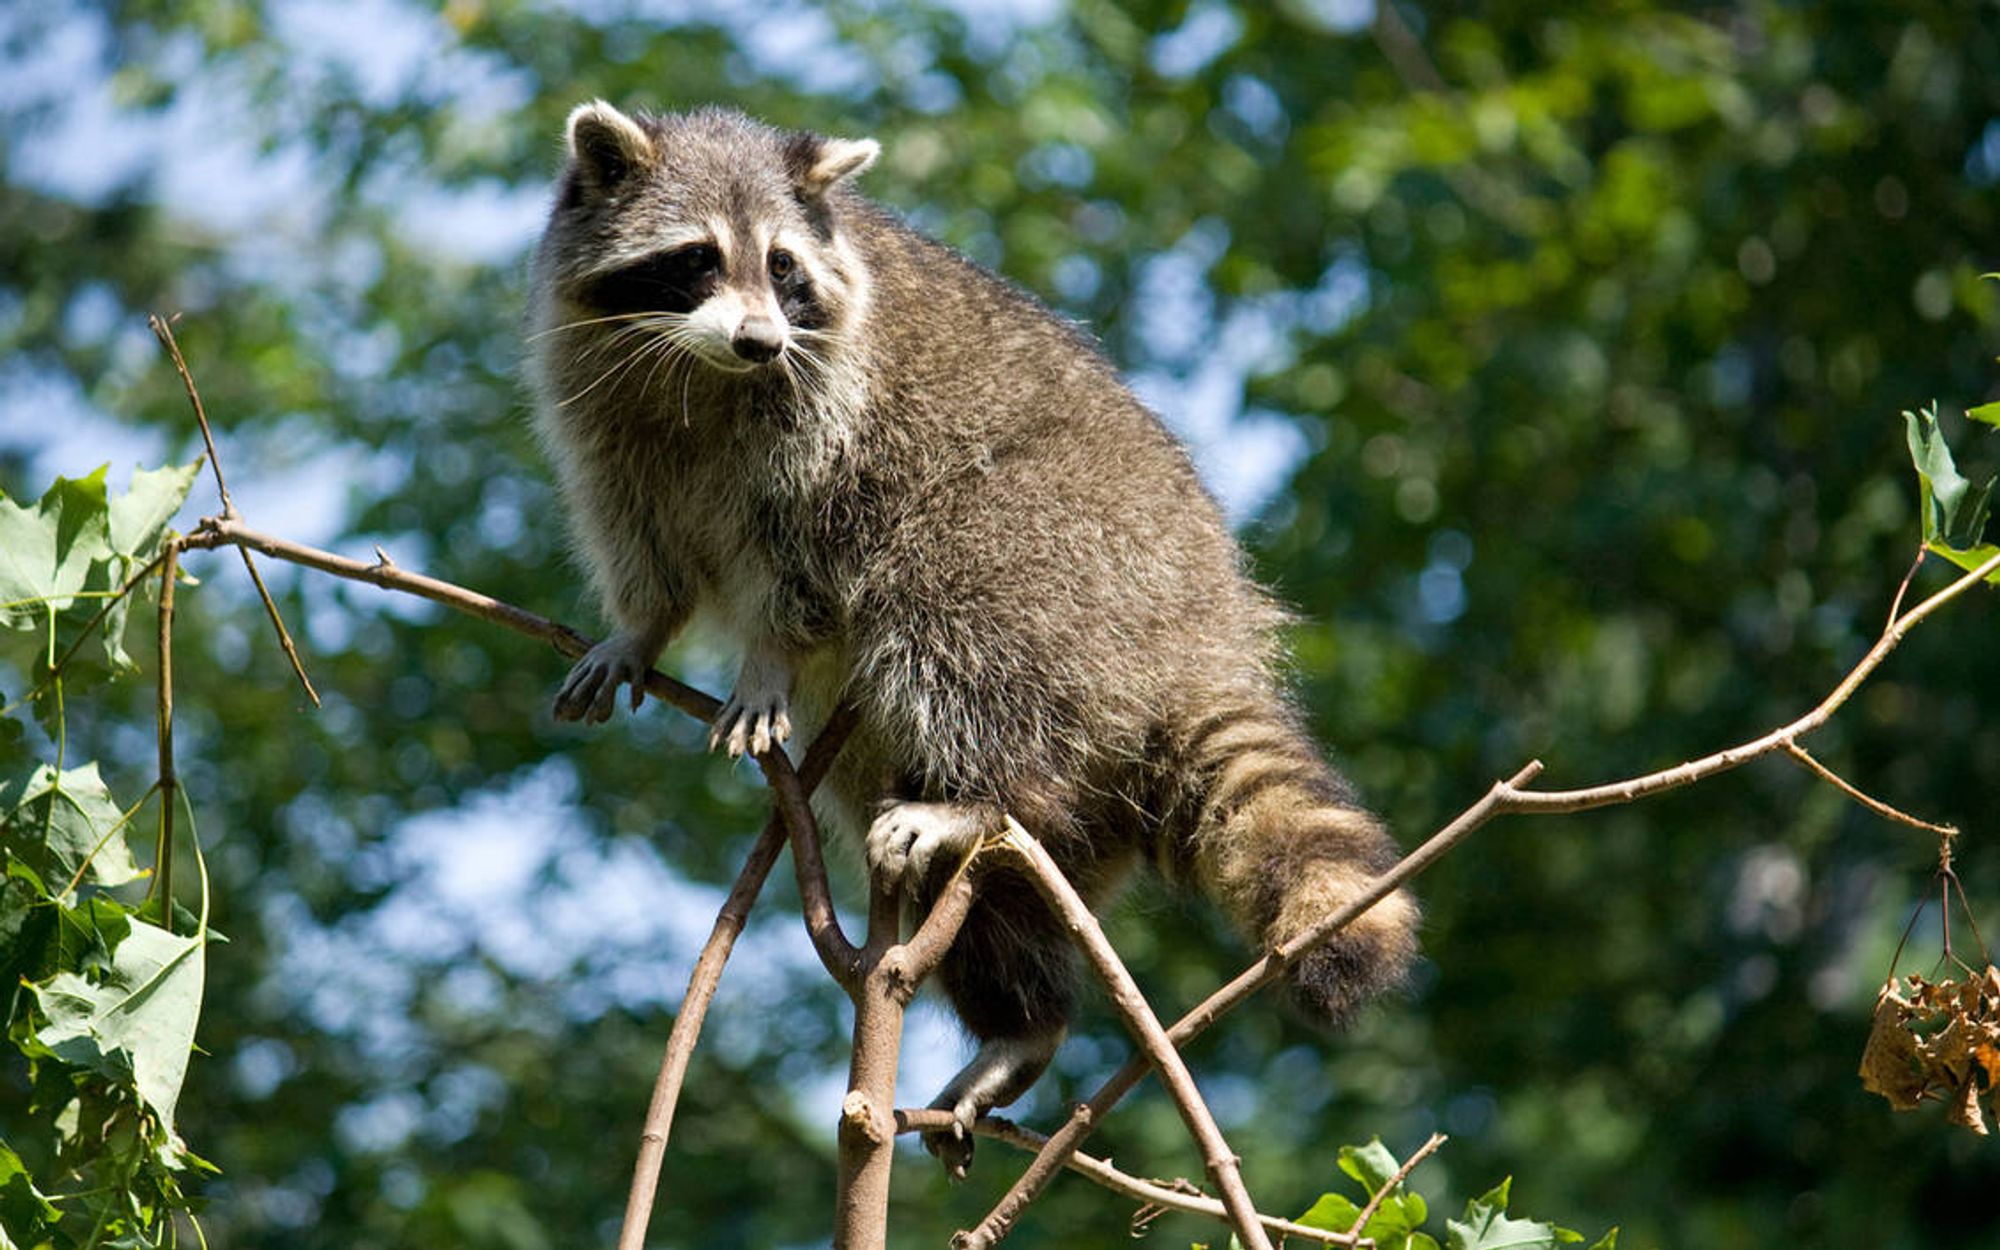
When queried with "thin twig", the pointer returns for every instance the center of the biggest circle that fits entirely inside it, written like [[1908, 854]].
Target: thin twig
[[838, 954], [169, 783], [1834, 779], [702, 984], [1402, 1174], [1190, 1199], [222, 531], [278, 623], [1222, 1163], [1736, 756], [164, 331], [1896, 604]]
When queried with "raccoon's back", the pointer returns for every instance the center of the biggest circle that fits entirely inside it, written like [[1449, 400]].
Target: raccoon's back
[[1051, 577]]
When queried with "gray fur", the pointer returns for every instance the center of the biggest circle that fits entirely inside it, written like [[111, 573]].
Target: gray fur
[[943, 505]]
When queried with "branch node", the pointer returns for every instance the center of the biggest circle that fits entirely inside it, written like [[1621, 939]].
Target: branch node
[[857, 1115]]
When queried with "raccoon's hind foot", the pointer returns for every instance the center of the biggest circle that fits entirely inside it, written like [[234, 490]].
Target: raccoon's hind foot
[[590, 692], [758, 715], [908, 838], [1002, 1071]]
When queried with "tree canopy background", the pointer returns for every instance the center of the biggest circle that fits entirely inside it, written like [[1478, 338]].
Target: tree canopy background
[[1552, 360]]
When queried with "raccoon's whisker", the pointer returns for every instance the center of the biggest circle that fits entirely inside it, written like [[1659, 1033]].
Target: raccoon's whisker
[[667, 352], [619, 367], [594, 321], [660, 349]]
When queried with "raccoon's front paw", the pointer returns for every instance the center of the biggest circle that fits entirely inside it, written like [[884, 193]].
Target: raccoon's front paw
[[758, 715], [753, 722], [907, 838], [590, 691]]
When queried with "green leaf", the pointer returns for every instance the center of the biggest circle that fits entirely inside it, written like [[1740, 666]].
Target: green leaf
[[1487, 1226], [27, 922], [90, 933], [1607, 1242], [1954, 510], [1372, 1164], [46, 552], [54, 823], [140, 1019], [1989, 413], [27, 1217], [139, 516], [1334, 1212]]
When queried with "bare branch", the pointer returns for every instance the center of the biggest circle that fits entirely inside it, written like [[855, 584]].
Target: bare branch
[[168, 784], [1834, 779], [163, 331], [1896, 604], [1221, 1162], [702, 984], [1733, 757], [226, 531], [1188, 1199], [838, 954], [933, 938]]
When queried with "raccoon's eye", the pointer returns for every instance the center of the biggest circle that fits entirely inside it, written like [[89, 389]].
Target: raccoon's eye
[[781, 263], [695, 260]]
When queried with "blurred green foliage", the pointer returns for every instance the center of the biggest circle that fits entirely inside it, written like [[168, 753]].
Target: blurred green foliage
[[1593, 325]]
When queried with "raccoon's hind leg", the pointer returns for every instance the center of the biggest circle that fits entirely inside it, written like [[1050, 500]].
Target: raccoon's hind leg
[[1008, 972], [1011, 980]]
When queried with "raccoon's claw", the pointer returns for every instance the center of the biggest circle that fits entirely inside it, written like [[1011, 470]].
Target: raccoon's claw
[[1002, 1071], [754, 728], [908, 837], [590, 692], [952, 1147]]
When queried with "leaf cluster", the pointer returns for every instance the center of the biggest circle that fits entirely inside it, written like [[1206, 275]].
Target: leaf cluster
[[1937, 1040], [98, 1003]]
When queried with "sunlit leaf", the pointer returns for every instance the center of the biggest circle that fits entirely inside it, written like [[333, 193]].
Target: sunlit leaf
[[46, 551], [55, 823], [140, 1019]]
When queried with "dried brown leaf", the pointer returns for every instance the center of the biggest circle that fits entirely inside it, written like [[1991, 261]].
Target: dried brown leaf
[[1965, 1111], [1890, 1065]]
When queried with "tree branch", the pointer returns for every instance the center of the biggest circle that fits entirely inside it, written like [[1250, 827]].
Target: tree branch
[[169, 783], [1222, 1163], [702, 984], [1812, 765], [1402, 1174], [1179, 1196]]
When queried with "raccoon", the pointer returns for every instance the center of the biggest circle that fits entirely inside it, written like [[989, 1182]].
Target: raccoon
[[901, 481]]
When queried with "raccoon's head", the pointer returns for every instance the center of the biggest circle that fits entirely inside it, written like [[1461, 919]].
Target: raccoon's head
[[706, 233]]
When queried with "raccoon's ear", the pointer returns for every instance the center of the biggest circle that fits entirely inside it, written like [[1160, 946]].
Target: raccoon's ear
[[605, 144], [818, 164]]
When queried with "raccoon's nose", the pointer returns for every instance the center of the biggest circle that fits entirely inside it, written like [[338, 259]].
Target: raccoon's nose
[[758, 340]]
